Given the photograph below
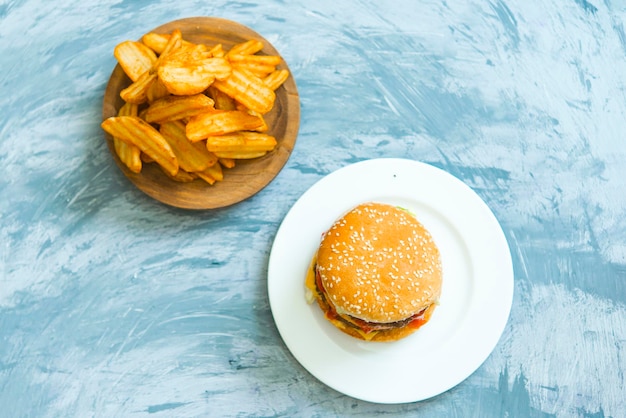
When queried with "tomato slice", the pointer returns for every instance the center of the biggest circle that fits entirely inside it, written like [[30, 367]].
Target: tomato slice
[[417, 322]]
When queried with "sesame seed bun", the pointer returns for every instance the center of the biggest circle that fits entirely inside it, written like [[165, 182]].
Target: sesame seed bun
[[377, 273]]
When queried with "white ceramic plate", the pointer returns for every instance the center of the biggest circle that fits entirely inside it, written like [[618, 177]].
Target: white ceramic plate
[[476, 295]]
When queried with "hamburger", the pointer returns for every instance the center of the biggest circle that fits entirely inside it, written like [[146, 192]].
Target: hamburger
[[377, 273]]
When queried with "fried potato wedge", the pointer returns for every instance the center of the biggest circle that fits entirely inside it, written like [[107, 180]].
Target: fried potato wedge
[[217, 51], [182, 176], [227, 162], [240, 155], [182, 74], [259, 65], [129, 154], [220, 122], [140, 133], [135, 58], [199, 50], [221, 99], [156, 91], [173, 44], [191, 156], [246, 48], [158, 41], [137, 92], [173, 108], [241, 141], [211, 174], [145, 158], [247, 89], [263, 127], [188, 53], [276, 79], [246, 59]]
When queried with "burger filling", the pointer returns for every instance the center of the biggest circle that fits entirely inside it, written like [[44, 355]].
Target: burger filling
[[414, 321]]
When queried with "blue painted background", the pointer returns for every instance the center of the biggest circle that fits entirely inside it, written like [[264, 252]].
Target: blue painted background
[[114, 305]]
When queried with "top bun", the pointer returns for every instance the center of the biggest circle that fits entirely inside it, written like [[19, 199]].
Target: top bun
[[379, 264]]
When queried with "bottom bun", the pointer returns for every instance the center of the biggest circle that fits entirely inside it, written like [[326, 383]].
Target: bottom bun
[[380, 336], [395, 334]]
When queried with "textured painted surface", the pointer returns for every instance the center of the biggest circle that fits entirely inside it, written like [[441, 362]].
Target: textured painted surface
[[113, 305]]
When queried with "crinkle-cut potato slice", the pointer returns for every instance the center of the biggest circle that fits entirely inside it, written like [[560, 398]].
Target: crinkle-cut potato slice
[[181, 176], [217, 51], [140, 133], [135, 58], [212, 174], [221, 99], [247, 59], [251, 46], [190, 42], [158, 41], [276, 79], [173, 108], [184, 75], [247, 89], [264, 127], [157, 91], [259, 65], [227, 162], [129, 154], [244, 142], [145, 158], [137, 92], [240, 155], [191, 156], [174, 43], [220, 122]]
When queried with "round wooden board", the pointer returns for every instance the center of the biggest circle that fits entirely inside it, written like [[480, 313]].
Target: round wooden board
[[247, 177]]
